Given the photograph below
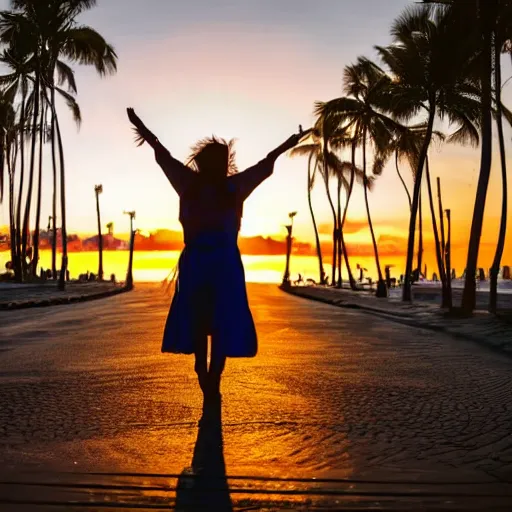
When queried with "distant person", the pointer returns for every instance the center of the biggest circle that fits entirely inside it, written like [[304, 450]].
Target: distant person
[[210, 298]]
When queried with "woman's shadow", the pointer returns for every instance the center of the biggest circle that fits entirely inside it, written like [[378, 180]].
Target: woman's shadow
[[204, 486]]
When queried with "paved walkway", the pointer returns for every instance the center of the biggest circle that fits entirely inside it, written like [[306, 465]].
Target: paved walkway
[[483, 327], [333, 394], [20, 296]]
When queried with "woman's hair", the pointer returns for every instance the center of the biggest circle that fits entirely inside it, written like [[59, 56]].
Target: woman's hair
[[213, 157]]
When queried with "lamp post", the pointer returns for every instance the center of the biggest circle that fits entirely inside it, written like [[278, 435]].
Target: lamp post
[[98, 189], [289, 228], [129, 274]]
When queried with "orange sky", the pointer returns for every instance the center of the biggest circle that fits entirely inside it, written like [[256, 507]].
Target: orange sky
[[191, 69]]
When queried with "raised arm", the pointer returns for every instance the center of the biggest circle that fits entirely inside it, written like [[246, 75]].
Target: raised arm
[[177, 173], [247, 181]]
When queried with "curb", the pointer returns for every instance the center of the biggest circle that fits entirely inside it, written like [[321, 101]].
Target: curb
[[412, 322], [60, 301]]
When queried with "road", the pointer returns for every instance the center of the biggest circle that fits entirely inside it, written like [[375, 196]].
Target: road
[[332, 393]]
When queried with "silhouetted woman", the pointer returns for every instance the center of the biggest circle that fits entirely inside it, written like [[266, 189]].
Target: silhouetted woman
[[210, 296]]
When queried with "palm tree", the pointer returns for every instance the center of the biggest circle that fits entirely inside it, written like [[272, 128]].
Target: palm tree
[[429, 66], [339, 170], [359, 113], [55, 34], [503, 38], [342, 140], [311, 151], [98, 189], [486, 27], [17, 81], [407, 146]]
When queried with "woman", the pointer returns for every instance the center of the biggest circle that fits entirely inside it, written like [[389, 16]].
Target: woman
[[210, 297]]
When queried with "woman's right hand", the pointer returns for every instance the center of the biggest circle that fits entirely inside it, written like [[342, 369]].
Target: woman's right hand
[[143, 134]]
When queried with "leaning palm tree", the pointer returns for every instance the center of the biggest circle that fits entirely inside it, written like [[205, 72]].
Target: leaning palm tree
[[329, 165], [346, 176], [311, 151], [430, 70], [406, 145], [315, 149], [359, 113]]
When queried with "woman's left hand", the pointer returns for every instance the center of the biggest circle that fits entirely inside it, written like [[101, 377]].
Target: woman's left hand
[[295, 139]]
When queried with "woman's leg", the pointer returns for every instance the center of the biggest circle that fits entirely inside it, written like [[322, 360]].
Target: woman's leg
[[217, 364], [201, 364]]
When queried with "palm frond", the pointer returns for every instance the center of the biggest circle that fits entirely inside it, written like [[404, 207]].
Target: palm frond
[[72, 105], [305, 150], [507, 114], [466, 134], [65, 75], [86, 46]]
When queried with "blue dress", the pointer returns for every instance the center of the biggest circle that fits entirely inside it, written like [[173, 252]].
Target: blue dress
[[210, 296]]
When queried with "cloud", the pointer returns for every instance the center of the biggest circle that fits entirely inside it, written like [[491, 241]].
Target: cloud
[[350, 227]]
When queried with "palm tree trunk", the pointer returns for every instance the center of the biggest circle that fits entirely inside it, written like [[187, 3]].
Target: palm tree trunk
[[406, 293], [18, 264], [440, 261], [420, 235], [317, 238], [334, 233], [335, 220], [495, 268], [64, 266], [339, 247], [351, 279], [441, 218], [39, 195], [100, 239], [342, 246], [12, 220], [54, 196], [351, 184], [447, 284], [380, 293], [402, 180], [448, 258], [26, 219], [469, 294]]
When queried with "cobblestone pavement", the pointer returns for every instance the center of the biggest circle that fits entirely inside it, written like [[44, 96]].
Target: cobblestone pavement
[[14, 296], [331, 393], [489, 330]]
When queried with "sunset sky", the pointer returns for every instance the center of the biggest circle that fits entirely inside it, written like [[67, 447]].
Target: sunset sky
[[249, 70]]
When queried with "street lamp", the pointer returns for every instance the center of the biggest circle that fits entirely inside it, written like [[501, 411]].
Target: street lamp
[[98, 189], [289, 228], [129, 274]]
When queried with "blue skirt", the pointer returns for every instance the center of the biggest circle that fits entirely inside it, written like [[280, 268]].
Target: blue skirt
[[210, 298]]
